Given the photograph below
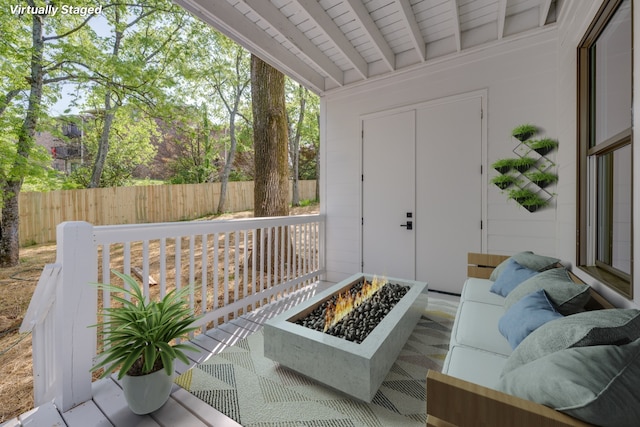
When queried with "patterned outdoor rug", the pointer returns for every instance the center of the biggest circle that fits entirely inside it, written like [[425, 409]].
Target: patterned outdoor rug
[[257, 392]]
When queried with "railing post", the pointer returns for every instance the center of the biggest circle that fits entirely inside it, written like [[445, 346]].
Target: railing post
[[75, 309], [40, 322]]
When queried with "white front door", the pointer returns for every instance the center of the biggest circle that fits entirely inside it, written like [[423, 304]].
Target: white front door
[[449, 191], [422, 166], [388, 194]]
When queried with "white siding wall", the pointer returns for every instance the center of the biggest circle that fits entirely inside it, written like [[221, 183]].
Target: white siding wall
[[520, 79], [532, 80], [573, 23]]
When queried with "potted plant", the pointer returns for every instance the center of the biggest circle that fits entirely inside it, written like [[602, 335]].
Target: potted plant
[[524, 132], [543, 146], [521, 194], [523, 164], [503, 165], [503, 181], [541, 179], [138, 339], [533, 203]]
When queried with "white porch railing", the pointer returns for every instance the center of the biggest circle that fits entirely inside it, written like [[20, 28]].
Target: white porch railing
[[231, 267]]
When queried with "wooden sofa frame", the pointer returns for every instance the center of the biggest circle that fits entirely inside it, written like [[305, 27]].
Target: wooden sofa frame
[[455, 402]]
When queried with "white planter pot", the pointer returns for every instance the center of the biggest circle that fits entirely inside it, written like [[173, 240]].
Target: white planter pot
[[147, 393]]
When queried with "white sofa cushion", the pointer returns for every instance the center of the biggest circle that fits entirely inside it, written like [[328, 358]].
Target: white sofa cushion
[[476, 366], [476, 325], [479, 290]]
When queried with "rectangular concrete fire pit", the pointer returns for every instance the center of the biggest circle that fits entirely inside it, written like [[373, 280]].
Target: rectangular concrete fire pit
[[355, 369]]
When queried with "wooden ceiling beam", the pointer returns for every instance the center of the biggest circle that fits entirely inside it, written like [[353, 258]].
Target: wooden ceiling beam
[[372, 30], [272, 15], [409, 19], [455, 16], [545, 6], [502, 17], [333, 32]]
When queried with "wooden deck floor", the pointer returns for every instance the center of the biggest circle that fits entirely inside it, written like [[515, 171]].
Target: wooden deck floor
[[109, 408]]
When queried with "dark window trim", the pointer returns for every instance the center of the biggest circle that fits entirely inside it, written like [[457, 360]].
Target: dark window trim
[[616, 280], [611, 144]]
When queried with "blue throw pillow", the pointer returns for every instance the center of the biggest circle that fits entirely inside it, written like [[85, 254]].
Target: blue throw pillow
[[511, 276], [525, 316]]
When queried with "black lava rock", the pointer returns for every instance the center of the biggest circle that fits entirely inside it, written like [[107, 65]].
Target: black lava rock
[[358, 324]]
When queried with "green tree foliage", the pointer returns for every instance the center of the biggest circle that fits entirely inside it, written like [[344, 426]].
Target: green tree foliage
[[303, 109], [41, 51], [130, 146], [32, 59], [191, 135], [219, 72], [15, 51], [230, 78], [133, 62], [243, 163], [130, 67]]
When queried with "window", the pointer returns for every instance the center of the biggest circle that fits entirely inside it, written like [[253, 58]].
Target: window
[[605, 245]]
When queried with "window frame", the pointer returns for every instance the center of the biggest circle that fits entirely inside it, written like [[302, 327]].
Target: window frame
[[588, 156]]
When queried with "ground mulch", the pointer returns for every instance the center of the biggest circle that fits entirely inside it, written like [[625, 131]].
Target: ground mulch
[[16, 288]]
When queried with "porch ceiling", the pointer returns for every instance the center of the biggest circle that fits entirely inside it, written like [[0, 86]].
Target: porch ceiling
[[326, 44]]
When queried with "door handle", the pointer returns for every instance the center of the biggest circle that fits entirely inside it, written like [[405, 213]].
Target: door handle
[[409, 225]]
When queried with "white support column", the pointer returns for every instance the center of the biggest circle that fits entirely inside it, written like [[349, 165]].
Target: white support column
[[321, 249], [75, 310]]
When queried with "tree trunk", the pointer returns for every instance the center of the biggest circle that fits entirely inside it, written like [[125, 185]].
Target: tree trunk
[[233, 109], [103, 145], [295, 187], [270, 140], [318, 163], [4, 102], [9, 226], [10, 222], [224, 179], [109, 113], [295, 146], [207, 158]]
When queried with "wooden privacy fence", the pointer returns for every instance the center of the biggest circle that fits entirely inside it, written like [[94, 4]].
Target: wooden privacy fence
[[40, 213]]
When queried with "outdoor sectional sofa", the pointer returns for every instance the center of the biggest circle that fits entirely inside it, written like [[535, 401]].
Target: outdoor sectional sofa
[[513, 359]]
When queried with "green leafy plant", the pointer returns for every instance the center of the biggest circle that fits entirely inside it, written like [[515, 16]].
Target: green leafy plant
[[527, 198], [503, 181], [503, 165], [541, 179], [543, 146], [138, 335], [524, 132], [521, 194], [533, 203], [523, 163]]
